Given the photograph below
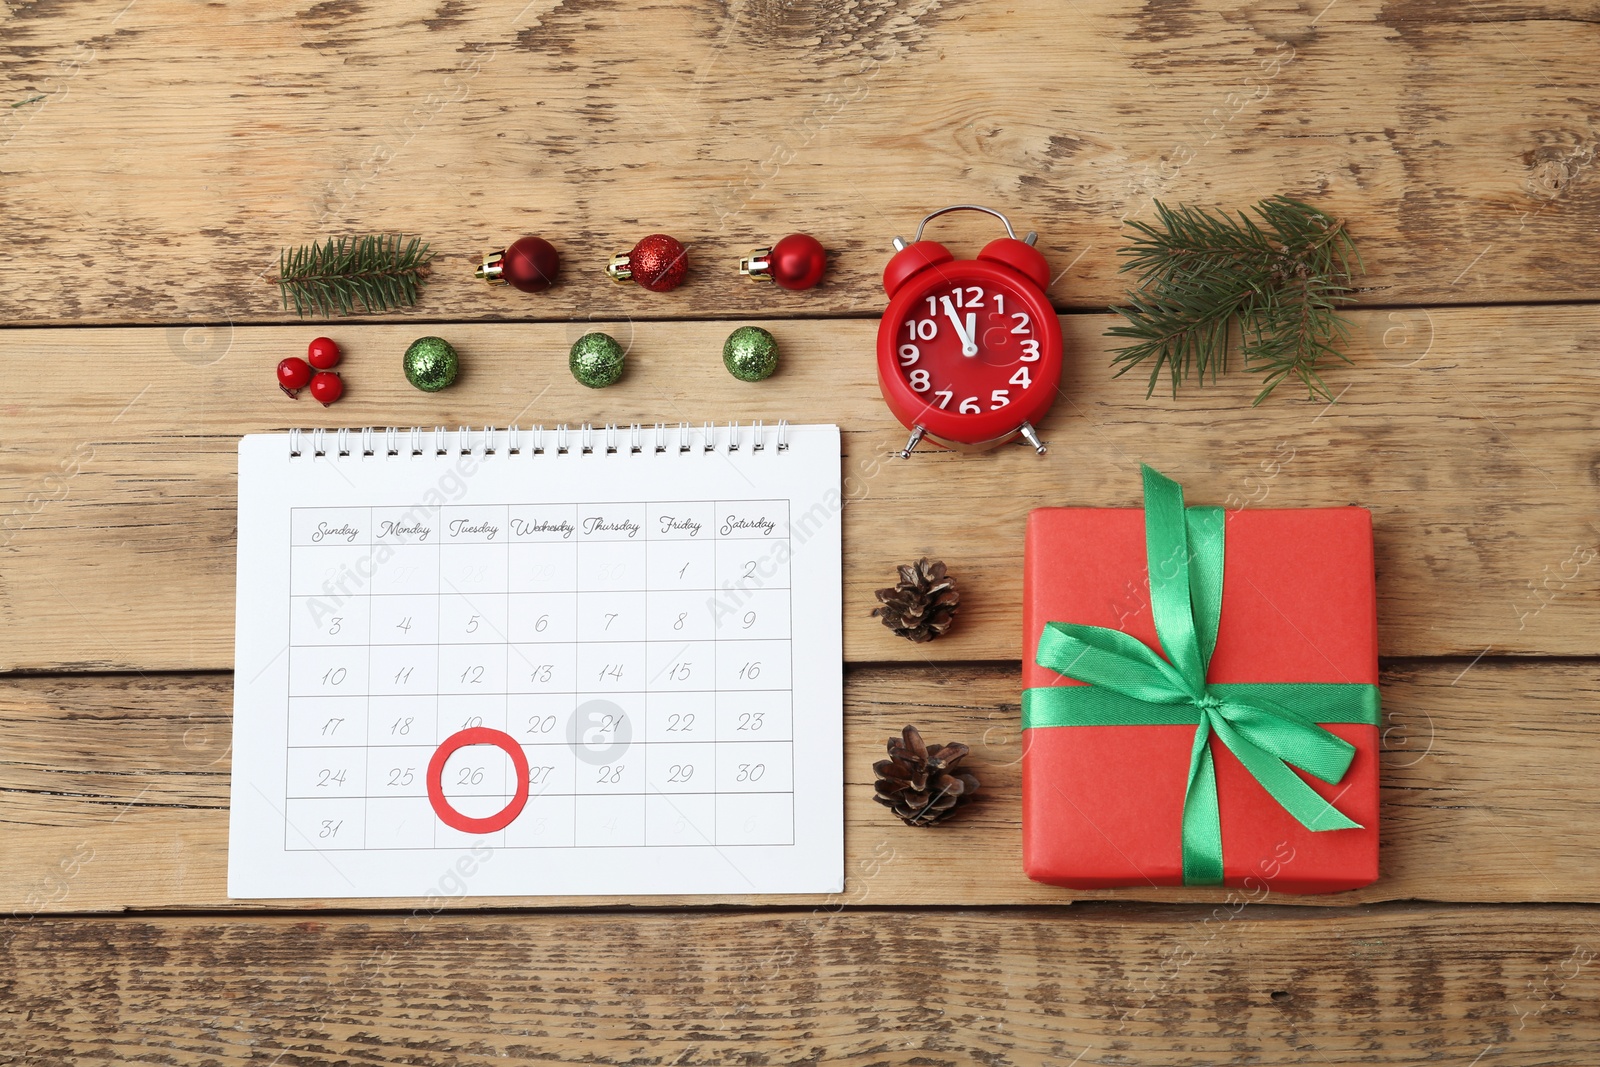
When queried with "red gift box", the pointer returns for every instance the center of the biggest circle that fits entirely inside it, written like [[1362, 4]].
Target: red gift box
[[1102, 806]]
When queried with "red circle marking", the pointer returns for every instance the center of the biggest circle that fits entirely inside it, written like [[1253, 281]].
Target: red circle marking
[[477, 735]]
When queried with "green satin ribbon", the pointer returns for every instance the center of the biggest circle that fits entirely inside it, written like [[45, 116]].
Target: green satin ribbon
[[1268, 726]]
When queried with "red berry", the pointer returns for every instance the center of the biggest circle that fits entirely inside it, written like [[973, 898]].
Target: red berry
[[327, 387], [323, 353], [293, 374]]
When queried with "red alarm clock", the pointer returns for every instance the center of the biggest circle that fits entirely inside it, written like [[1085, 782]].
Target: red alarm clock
[[969, 350]]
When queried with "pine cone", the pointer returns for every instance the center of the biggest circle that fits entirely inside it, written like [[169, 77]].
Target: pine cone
[[923, 783], [923, 604]]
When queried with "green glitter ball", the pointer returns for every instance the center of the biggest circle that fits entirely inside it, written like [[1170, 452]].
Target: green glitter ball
[[596, 360], [431, 364], [750, 354]]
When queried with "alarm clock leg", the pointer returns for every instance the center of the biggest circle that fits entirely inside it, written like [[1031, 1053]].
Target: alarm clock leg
[[1030, 435], [916, 436]]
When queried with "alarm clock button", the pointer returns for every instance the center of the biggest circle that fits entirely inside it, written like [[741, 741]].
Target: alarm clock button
[[912, 259], [1020, 257]]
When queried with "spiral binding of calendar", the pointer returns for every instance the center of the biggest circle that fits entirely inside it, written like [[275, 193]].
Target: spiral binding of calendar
[[585, 439]]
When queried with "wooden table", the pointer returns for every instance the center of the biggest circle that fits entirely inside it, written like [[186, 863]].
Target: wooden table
[[154, 156]]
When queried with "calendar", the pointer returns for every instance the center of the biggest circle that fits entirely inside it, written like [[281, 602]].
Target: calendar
[[596, 661]]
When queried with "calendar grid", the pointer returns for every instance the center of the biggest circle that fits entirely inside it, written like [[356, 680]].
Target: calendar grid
[[645, 814], [594, 606], [438, 669], [288, 823], [366, 801], [793, 830]]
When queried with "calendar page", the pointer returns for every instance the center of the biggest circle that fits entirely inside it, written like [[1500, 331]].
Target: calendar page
[[514, 662]]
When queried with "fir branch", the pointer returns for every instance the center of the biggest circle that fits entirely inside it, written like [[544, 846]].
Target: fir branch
[[381, 271], [1208, 281]]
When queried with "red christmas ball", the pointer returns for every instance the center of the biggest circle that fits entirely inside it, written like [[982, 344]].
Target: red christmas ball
[[530, 264], [293, 374], [327, 387], [323, 354], [659, 262], [797, 261]]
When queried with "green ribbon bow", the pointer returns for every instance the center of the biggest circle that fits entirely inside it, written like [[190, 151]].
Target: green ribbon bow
[[1268, 726]]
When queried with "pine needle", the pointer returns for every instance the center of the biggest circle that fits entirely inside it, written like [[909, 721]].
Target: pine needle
[[380, 271], [1208, 280]]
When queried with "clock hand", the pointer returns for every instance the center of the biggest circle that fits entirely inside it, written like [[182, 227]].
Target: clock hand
[[969, 346]]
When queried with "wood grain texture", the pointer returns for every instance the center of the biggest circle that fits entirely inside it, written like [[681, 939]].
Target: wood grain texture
[[1099, 985], [156, 156], [118, 469], [114, 793]]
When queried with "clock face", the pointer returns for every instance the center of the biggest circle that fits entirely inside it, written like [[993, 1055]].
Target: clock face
[[971, 343]]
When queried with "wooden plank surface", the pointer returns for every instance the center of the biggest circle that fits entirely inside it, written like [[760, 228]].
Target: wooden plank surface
[[156, 156], [1103, 985], [118, 484], [114, 792]]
